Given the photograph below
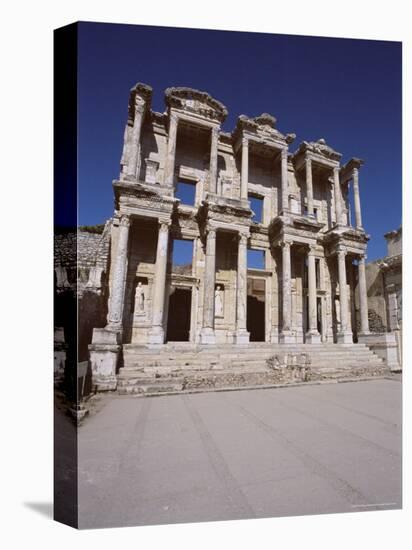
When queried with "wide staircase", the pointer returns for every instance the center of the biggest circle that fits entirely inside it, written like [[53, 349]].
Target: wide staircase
[[177, 367]]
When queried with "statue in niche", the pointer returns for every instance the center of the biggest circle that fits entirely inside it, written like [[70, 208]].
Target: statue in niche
[[218, 302], [140, 298]]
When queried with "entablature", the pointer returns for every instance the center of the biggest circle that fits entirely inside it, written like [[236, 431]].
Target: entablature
[[318, 152], [262, 131]]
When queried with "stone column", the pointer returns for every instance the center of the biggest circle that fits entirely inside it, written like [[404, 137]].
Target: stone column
[[356, 199], [157, 333], [135, 141], [312, 335], [286, 334], [242, 336], [363, 297], [213, 160], [344, 336], [309, 187], [245, 169], [284, 179], [171, 151], [337, 191], [115, 315], [207, 335]]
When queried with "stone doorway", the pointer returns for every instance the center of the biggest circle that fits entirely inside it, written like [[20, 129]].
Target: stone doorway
[[255, 320], [180, 307]]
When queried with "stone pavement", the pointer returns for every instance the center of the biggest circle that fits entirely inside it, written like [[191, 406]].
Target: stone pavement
[[242, 454]]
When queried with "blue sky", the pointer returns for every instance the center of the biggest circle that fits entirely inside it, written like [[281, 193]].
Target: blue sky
[[346, 91]]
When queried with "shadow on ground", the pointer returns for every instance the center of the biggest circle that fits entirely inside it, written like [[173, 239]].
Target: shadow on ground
[[43, 508]]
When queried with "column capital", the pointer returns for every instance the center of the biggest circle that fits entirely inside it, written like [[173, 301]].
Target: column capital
[[285, 244], [245, 141], [308, 162], [211, 232], [140, 106], [243, 237], [341, 250], [164, 225], [362, 258], [173, 118], [284, 153], [124, 220], [311, 249], [215, 131]]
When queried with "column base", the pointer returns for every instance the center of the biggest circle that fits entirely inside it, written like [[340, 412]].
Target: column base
[[242, 337], [287, 337], [156, 336], [312, 337], [274, 337], [345, 338], [207, 336]]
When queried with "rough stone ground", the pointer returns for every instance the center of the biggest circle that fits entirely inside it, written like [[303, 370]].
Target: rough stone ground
[[241, 454]]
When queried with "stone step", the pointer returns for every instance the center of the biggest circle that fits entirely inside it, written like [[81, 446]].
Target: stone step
[[179, 361], [240, 353], [249, 348]]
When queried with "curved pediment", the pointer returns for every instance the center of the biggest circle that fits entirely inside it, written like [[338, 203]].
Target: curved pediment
[[195, 101]]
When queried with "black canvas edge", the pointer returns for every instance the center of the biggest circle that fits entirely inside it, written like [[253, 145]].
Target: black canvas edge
[[65, 111]]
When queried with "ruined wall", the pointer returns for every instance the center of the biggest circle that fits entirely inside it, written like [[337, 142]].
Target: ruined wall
[[81, 262], [376, 298]]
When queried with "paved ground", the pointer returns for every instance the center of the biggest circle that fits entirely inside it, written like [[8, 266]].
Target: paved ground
[[243, 454]]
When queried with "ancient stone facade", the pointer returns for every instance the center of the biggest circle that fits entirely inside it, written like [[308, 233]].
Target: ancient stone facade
[[313, 254]]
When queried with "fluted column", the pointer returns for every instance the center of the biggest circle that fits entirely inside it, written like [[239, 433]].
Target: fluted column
[[284, 179], [213, 160], [356, 199], [286, 334], [116, 302], [207, 335], [171, 151], [363, 297], [345, 335], [337, 192], [309, 186], [157, 333], [245, 169], [242, 336], [312, 334], [135, 141]]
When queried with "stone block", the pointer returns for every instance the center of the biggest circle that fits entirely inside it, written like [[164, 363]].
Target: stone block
[[106, 336], [385, 346], [104, 364]]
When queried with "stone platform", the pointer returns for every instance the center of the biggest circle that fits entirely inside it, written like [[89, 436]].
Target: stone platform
[[182, 367]]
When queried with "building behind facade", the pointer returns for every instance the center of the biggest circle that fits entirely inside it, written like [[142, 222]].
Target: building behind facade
[[384, 288]]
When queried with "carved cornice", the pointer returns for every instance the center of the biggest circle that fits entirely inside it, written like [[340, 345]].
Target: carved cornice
[[262, 126], [192, 100], [347, 171], [390, 263], [319, 148]]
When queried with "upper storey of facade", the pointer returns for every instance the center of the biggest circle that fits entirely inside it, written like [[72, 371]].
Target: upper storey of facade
[[250, 171]]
